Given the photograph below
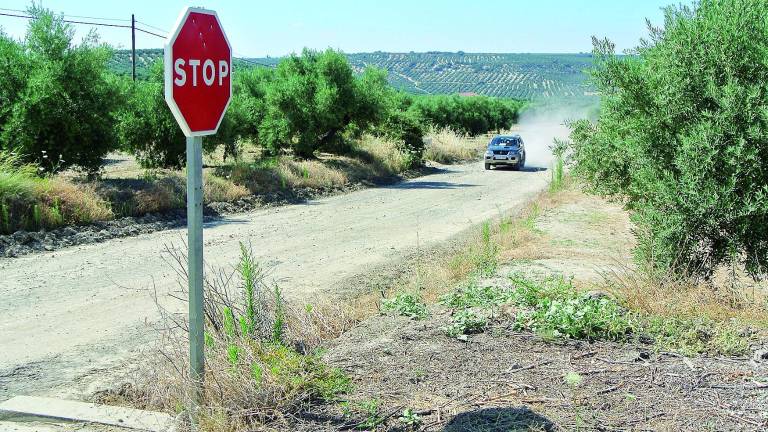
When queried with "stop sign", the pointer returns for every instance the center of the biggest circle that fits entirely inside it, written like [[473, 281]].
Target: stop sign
[[198, 72]]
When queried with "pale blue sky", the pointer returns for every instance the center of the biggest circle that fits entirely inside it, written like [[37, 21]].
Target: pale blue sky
[[259, 28]]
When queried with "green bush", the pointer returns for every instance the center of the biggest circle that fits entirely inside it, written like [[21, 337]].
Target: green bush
[[554, 308], [682, 137], [56, 98], [470, 115], [147, 129], [406, 304], [314, 98]]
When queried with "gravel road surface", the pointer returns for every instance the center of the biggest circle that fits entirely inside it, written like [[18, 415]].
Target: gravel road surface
[[67, 316]]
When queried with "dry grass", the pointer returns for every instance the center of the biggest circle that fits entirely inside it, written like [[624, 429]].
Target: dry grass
[[446, 146], [384, 156], [312, 174], [437, 274], [31, 202], [217, 189], [687, 298], [262, 364]]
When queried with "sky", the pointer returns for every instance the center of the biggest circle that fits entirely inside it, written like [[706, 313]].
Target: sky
[[259, 28]]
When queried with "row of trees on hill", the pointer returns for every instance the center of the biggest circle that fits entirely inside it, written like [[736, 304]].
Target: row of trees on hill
[[60, 106]]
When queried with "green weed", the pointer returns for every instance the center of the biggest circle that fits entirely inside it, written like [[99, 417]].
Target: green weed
[[554, 308], [406, 304], [557, 181], [410, 418], [466, 322]]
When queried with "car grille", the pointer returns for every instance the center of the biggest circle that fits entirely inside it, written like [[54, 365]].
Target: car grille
[[500, 152]]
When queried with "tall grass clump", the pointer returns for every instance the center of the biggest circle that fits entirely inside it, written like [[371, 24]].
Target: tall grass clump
[[262, 363], [447, 146], [557, 182], [31, 202]]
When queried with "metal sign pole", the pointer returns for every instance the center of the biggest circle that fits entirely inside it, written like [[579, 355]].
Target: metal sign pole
[[195, 262]]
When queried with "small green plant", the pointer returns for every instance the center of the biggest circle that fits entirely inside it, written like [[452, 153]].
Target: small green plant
[[249, 272], [410, 418], [473, 295], [406, 304], [557, 182], [304, 172], [554, 308], [466, 322], [696, 335], [485, 259], [573, 379], [373, 417], [233, 351]]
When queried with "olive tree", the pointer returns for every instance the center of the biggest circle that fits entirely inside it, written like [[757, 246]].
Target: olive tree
[[682, 137], [58, 100]]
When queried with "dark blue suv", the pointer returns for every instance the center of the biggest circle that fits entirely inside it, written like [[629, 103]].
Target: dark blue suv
[[505, 150]]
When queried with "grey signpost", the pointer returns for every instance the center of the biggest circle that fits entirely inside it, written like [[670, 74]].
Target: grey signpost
[[195, 257], [198, 89]]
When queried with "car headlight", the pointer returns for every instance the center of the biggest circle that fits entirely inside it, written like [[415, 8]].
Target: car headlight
[[488, 153]]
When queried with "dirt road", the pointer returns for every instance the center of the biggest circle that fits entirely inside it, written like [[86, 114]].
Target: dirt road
[[67, 315]]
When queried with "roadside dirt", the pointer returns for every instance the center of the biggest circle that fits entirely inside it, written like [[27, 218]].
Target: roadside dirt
[[69, 317], [503, 379]]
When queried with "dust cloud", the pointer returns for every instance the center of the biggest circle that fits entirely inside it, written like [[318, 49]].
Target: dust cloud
[[539, 127]]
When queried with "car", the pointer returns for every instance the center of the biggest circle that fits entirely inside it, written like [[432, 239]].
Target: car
[[508, 150]]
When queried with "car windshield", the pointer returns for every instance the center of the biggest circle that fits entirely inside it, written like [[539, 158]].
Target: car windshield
[[503, 141]]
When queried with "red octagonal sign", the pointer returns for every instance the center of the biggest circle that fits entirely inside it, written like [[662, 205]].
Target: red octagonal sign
[[198, 72]]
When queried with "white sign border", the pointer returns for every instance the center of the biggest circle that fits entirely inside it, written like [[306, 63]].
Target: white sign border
[[168, 72]]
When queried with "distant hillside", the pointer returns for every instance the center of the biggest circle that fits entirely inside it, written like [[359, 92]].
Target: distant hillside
[[526, 76]]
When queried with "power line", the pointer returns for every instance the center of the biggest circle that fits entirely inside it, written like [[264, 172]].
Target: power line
[[88, 23], [71, 16], [17, 14], [149, 32], [152, 27]]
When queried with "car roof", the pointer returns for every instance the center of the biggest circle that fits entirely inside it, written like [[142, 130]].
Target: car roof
[[516, 136]]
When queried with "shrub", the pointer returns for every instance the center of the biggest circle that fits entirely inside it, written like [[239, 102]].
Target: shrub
[[464, 322], [554, 308], [682, 137], [314, 98], [406, 304], [147, 129], [56, 98], [469, 115]]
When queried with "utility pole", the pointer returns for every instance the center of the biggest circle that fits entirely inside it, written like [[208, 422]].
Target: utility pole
[[133, 45]]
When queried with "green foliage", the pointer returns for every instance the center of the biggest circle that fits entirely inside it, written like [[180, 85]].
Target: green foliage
[[372, 414], [485, 258], [314, 98], [56, 98], [470, 115], [682, 137], [146, 126], [250, 272], [554, 308], [405, 128], [573, 379], [471, 294], [558, 175], [410, 418], [406, 304], [464, 322]]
